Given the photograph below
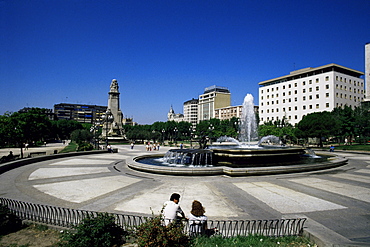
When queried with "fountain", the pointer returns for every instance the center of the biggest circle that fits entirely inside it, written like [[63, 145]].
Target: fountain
[[237, 157]]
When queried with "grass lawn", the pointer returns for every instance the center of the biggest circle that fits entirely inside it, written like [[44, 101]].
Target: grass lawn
[[72, 147]]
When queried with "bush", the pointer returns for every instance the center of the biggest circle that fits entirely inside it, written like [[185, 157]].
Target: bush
[[99, 231], [153, 233], [84, 146], [8, 221]]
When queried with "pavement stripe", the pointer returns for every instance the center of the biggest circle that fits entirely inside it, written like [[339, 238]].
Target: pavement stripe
[[286, 200], [151, 200], [359, 178], [364, 171], [83, 162], [54, 172], [352, 191], [85, 189]]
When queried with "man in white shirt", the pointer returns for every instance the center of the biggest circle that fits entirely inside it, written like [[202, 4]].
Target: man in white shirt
[[172, 209]]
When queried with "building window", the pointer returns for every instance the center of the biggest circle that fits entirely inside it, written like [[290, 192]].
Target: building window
[[304, 98], [327, 105], [317, 106], [304, 107], [317, 80], [317, 96], [303, 83], [326, 78], [317, 88], [304, 90], [327, 86], [310, 97], [310, 89], [327, 95], [310, 106]]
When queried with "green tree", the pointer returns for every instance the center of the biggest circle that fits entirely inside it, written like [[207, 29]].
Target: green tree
[[319, 125], [346, 119], [63, 128]]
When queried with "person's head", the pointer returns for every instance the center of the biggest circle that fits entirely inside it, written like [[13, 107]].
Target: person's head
[[175, 197], [197, 209]]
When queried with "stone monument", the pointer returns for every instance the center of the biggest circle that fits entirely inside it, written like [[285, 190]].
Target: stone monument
[[112, 125]]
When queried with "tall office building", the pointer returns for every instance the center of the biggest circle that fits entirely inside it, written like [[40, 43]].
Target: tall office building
[[213, 97], [309, 90], [191, 111]]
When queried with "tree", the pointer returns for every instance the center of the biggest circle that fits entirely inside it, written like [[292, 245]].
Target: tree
[[319, 125], [346, 119]]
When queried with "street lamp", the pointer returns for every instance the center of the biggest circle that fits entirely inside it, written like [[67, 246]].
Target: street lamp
[[175, 130], [163, 136], [107, 118]]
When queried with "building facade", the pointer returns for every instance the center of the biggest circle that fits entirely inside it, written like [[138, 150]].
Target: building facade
[[172, 116], [309, 90], [79, 112], [213, 97], [191, 111], [367, 71]]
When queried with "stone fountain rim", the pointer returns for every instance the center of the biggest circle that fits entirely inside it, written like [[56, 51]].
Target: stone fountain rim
[[132, 163]]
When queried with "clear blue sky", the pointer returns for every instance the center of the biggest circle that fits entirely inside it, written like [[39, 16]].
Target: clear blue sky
[[166, 52]]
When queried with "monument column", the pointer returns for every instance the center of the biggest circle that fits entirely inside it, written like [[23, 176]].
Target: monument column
[[112, 126]]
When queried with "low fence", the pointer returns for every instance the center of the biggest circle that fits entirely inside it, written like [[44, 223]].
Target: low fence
[[66, 217]]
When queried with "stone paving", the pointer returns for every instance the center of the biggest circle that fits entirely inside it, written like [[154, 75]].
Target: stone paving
[[336, 201]]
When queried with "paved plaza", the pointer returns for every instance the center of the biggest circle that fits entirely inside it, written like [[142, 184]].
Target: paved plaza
[[336, 201]]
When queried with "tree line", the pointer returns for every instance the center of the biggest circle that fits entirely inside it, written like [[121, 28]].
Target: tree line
[[338, 126], [35, 128]]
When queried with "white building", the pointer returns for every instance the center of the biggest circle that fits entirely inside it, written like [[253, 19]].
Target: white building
[[191, 111], [172, 116], [309, 90], [367, 70]]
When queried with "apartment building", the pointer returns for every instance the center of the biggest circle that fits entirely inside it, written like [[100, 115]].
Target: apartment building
[[310, 90], [191, 111]]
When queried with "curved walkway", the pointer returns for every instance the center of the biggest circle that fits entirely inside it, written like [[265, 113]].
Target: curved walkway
[[336, 201]]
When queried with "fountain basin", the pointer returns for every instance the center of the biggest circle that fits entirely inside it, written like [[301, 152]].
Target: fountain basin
[[266, 156], [136, 164]]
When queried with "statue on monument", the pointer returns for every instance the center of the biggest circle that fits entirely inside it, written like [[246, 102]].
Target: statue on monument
[[114, 86], [113, 117]]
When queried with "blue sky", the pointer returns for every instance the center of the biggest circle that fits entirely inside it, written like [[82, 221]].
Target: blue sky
[[166, 52]]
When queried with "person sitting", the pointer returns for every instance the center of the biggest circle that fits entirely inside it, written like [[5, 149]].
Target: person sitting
[[172, 209], [197, 219]]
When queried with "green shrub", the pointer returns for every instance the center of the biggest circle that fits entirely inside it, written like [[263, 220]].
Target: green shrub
[[153, 233], [84, 146], [8, 221], [99, 231]]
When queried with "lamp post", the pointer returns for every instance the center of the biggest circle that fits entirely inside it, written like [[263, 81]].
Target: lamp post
[[163, 131], [175, 130], [211, 128], [107, 117]]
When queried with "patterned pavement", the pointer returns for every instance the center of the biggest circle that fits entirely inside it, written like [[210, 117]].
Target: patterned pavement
[[338, 199]]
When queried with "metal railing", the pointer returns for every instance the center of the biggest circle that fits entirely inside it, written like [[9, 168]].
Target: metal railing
[[66, 217]]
